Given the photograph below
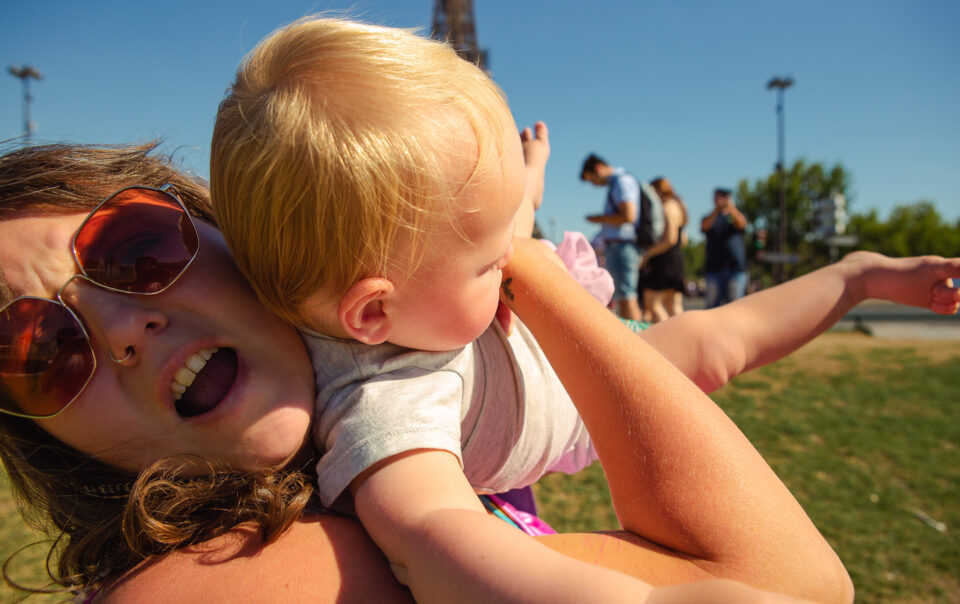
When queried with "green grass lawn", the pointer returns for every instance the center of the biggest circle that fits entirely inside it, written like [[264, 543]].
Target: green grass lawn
[[27, 566], [865, 432]]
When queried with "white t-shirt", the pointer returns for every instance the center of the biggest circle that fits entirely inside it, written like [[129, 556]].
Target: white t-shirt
[[496, 404]]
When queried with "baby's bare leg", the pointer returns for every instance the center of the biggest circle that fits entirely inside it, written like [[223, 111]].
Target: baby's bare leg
[[763, 327], [536, 152]]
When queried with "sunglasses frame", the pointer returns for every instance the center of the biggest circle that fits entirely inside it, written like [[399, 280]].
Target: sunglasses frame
[[168, 190]]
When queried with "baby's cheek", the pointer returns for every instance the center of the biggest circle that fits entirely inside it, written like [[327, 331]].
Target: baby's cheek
[[491, 300]]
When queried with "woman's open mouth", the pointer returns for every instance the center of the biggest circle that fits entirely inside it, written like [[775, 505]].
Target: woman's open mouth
[[204, 380]]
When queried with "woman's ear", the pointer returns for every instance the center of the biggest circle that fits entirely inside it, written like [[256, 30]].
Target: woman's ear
[[361, 311]]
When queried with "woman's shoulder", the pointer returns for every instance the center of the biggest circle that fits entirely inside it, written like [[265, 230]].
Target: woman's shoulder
[[677, 209], [320, 558]]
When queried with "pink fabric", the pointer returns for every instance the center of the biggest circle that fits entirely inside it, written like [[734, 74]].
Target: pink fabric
[[528, 523], [581, 261]]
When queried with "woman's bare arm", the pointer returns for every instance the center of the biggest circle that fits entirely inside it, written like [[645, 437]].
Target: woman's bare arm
[[681, 474]]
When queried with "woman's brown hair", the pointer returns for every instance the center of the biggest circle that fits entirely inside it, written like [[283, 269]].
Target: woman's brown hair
[[664, 189], [104, 520]]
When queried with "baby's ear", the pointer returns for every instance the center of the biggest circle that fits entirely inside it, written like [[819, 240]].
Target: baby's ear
[[361, 310]]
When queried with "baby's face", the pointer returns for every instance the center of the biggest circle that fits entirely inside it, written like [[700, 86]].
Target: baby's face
[[452, 296]]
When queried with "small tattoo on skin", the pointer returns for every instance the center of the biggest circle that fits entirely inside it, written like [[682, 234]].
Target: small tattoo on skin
[[506, 288]]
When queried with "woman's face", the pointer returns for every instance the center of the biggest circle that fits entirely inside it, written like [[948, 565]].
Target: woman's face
[[251, 404]]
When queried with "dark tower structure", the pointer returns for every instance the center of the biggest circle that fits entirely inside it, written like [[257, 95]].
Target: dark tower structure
[[453, 21]]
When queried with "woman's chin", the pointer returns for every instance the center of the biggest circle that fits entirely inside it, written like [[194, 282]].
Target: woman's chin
[[278, 440]]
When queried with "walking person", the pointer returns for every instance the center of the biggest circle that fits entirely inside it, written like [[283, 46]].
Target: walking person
[[618, 233]]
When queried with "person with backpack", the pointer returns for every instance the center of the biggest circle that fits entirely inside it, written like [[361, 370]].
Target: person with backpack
[[632, 220]]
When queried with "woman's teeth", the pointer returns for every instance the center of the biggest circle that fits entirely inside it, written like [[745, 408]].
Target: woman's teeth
[[186, 374]]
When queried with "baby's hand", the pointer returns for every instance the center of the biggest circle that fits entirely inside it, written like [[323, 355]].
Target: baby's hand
[[924, 281]]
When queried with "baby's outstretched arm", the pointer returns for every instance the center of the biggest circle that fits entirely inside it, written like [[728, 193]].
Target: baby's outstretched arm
[[713, 346], [536, 152]]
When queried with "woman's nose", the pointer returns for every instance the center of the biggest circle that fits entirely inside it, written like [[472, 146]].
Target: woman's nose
[[123, 324]]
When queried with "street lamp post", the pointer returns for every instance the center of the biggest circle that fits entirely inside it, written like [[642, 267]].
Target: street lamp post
[[25, 73], [780, 84]]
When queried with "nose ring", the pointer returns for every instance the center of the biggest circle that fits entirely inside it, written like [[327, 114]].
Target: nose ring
[[129, 350]]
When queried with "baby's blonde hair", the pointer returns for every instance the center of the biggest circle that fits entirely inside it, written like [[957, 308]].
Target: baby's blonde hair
[[328, 147]]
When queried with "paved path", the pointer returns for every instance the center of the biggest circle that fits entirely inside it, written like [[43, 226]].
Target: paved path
[[887, 320], [923, 330]]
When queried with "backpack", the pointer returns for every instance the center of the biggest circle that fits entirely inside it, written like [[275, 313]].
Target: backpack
[[650, 220]]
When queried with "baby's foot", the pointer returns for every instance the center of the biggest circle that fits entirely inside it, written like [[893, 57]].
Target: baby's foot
[[924, 281], [536, 151]]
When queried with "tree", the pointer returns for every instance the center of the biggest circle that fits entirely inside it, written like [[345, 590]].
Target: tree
[[694, 255], [804, 185], [911, 230]]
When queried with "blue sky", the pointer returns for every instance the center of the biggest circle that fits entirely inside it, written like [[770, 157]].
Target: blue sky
[[665, 87]]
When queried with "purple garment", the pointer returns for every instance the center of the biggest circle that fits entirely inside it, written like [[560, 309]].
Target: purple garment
[[522, 499]]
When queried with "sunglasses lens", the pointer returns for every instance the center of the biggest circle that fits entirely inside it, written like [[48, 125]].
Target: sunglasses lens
[[45, 359], [137, 241]]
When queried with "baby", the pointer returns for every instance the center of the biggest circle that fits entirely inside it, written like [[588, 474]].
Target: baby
[[370, 184]]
